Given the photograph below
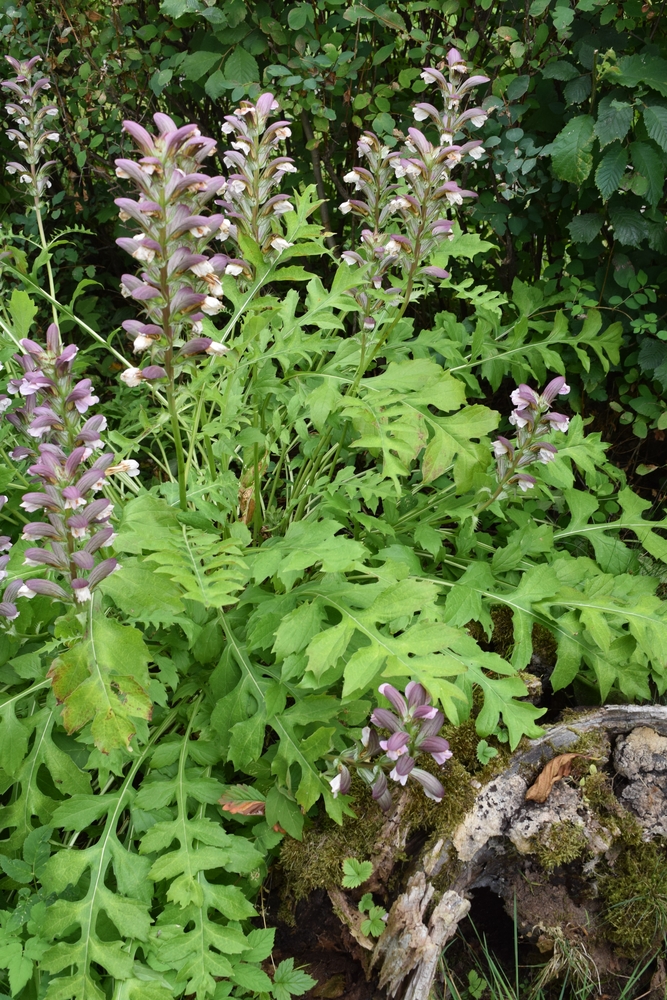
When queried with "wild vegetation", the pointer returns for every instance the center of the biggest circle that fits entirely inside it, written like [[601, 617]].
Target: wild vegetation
[[333, 403]]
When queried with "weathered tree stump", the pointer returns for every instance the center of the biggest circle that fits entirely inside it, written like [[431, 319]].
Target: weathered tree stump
[[498, 842]]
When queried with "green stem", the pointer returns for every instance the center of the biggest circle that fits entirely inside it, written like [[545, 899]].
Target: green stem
[[257, 514], [193, 435], [210, 456], [276, 476], [45, 248], [512, 468], [178, 446]]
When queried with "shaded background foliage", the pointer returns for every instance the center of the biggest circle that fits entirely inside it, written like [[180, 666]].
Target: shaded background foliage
[[571, 192]]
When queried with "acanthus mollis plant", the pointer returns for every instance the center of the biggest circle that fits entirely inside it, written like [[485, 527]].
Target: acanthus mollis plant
[[252, 204], [406, 195], [61, 439], [413, 730], [33, 133], [181, 281], [534, 421]]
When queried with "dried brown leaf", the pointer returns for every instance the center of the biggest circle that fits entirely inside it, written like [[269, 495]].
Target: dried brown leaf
[[556, 769], [234, 801]]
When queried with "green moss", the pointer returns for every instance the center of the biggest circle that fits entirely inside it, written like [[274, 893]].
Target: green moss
[[634, 894], [599, 796], [593, 745], [561, 844], [544, 643], [316, 861], [502, 637]]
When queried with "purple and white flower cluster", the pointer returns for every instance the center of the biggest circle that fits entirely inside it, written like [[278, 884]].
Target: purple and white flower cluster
[[413, 730], [171, 243], [33, 125], [250, 206], [181, 281], [406, 194], [534, 420], [62, 439]]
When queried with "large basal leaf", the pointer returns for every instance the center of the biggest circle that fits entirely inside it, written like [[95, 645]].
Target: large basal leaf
[[394, 417], [124, 909], [103, 680], [199, 948], [30, 801]]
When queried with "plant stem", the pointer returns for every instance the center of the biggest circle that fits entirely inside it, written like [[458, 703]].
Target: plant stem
[[257, 514], [178, 445], [45, 248]]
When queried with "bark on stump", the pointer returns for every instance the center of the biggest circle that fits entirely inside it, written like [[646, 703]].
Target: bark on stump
[[493, 844]]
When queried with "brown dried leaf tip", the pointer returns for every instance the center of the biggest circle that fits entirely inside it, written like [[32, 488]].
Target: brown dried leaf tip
[[556, 769], [239, 799]]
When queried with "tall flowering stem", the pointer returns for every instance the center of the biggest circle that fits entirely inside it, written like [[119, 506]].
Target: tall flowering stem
[[61, 441], [181, 280], [534, 420], [412, 729], [406, 195], [32, 131], [252, 203]]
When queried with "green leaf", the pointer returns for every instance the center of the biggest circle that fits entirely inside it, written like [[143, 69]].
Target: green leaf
[[576, 91], [246, 741], [650, 164], [133, 590], [560, 70], [297, 17], [197, 64], [655, 119], [464, 246], [282, 808], [28, 798], [629, 225], [13, 739], [250, 977], [584, 228], [241, 67], [91, 682], [216, 84], [288, 981], [610, 170], [613, 121], [375, 924], [298, 628], [355, 873], [17, 870], [306, 544], [206, 951], [22, 311], [208, 570], [123, 910], [648, 69], [485, 753], [571, 150]]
